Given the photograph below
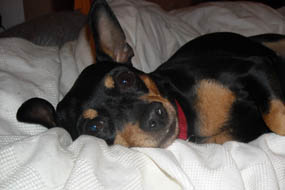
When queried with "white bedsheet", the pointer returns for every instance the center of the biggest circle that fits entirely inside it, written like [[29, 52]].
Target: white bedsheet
[[32, 157]]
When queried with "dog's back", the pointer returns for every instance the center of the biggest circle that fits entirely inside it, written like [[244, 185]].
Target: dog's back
[[235, 65]]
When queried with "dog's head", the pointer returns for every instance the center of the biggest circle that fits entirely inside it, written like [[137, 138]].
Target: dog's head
[[110, 99]]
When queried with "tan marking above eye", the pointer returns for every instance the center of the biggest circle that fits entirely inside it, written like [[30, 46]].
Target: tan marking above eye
[[214, 102], [154, 95], [109, 82], [151, 86], [90, 114], [275, 119]]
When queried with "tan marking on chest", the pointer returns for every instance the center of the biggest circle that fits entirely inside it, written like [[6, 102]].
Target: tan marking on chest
[[220, 138], [109, 82], [90, 114], [278, 47], [275, 119], [213, 104]]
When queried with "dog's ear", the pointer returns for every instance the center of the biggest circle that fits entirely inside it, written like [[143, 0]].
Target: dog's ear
[[109, 38], [37, 111]]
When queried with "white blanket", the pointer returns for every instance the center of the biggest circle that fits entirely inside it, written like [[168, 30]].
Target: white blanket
[[32, 157]]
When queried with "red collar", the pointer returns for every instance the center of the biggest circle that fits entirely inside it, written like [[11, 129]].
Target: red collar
[[182, 122]]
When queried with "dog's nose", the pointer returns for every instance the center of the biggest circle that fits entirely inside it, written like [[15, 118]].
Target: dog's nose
[[156, 116]]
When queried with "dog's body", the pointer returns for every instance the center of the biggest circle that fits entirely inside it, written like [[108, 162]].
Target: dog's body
[[221, 86]]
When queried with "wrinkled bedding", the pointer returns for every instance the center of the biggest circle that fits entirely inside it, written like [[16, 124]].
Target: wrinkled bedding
[[32, 157]]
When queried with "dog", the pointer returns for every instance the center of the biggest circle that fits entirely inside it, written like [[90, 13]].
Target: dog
[[216, 88]]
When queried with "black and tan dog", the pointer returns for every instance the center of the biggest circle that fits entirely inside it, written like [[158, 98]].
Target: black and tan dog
[[216, 88]]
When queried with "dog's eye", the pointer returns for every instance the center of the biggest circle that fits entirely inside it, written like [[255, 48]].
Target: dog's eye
[[96, 125], [126, 79]]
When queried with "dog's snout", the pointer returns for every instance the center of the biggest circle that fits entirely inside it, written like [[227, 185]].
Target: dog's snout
[[156, 117]]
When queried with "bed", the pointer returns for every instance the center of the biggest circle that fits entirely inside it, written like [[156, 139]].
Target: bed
[[32, 157]]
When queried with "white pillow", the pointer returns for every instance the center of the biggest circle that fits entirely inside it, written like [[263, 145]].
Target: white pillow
[[26, 71]]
